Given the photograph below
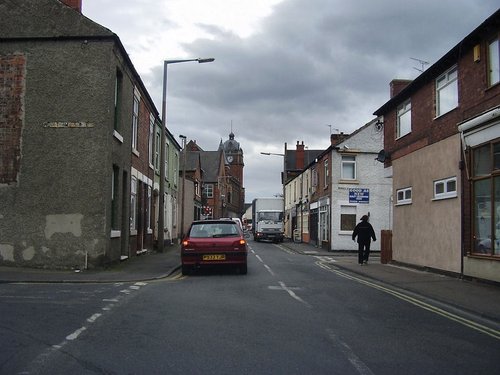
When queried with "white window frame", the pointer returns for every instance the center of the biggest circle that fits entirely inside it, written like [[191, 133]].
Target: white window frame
[[135, 119], [404, 196], [347, 209], [351, 163], [151, 140], [208, 190], [327, 174], [157, 152], [447, 88], [446, 192], [493, 62], [133, 204], [403, 111]]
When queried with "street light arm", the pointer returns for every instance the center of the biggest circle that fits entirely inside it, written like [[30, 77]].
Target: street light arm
[[199, 60], [271, 153]]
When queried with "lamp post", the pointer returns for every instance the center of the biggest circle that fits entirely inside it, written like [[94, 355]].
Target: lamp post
[[183, 137], [163, 136]]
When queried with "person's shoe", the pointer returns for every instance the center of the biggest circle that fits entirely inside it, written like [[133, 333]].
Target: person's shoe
[[365, 262]]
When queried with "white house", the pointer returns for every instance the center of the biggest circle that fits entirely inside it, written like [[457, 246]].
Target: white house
[[359, 186]]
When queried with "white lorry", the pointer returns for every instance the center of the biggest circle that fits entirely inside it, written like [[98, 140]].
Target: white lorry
[[267, 219]]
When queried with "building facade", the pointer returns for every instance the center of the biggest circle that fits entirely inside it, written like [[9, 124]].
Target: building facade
[[442, 133], [76, 178]]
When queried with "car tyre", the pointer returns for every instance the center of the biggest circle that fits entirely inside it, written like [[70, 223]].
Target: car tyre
[[243, 269], [186, 270]]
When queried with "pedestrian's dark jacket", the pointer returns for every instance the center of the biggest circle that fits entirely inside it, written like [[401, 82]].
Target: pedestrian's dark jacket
[[364, 231]]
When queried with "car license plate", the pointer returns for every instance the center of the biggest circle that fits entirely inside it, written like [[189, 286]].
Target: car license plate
[[214, 257]]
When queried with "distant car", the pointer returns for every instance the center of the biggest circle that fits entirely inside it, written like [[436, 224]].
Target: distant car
[[214, 242]]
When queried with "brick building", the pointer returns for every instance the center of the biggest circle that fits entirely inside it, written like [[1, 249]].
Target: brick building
[[442, 135], [75, 177]]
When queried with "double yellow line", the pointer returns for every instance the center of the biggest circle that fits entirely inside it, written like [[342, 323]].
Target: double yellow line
[[426, 306]]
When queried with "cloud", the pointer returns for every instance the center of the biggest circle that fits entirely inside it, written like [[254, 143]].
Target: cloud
[[306, 65]]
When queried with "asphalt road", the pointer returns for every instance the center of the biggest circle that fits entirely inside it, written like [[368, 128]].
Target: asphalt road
[[291, 314]]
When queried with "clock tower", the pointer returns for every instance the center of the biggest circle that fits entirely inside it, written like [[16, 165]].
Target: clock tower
[[234, 157]]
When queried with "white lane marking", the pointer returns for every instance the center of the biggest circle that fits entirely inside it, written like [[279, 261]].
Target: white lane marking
[[43, 357], [269, 270], [94, 317], [259, 258], [358, 364], [75, 334], [293, 295]]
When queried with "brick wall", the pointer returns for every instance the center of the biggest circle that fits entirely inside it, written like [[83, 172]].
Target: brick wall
[[12, 79]]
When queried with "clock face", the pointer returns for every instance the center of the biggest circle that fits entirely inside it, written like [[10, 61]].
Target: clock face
[[230, 159]]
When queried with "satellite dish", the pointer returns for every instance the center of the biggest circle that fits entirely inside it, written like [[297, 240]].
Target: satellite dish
[[382, 156]]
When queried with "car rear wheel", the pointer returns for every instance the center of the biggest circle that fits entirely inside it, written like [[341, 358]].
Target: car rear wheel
[[243, 269], [186, 270]]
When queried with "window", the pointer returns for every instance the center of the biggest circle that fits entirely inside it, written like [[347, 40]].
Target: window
[[135, 119], [447, 91], [493, 63], [208, 190], [323, 223], [347, 218], [486, 200], [404, 120], [314, 179], [151, 139], [149, 212], [157, 152], [327, 174], [115, 196], [348, 167], [446, 188], [133, 204], [167, 154], [403, 196]]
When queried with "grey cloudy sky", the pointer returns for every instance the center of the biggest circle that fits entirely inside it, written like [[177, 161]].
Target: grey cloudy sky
[[284, 69]]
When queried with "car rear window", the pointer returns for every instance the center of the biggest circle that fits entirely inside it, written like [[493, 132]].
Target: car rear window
[[208, 230]]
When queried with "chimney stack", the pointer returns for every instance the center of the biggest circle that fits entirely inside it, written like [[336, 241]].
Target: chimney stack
[[397, 85], [299, 156], [75, 4], [335, 139]]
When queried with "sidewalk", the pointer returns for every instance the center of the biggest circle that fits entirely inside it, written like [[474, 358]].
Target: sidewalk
[[473, 296], [148, 266]]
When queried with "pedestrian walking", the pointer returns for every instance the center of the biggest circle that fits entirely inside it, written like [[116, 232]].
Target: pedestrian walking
[[365, 233]]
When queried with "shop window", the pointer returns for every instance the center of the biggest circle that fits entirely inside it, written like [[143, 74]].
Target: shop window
[[347, 218], [486, 201]]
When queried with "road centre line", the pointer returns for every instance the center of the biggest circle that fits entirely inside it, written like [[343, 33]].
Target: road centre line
[[358, 364], [426, 306], [292, 294]]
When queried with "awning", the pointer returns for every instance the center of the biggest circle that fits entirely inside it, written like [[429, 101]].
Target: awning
[[480, 129]]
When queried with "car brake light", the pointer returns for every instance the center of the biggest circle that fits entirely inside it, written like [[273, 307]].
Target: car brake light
[[242, 242], [185, 243]]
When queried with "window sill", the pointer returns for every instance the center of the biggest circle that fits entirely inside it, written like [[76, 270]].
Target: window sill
[[116, 233], [118, 136], [403, 204], [356, 182], [133, 232], [135, 152], [444, 197]]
